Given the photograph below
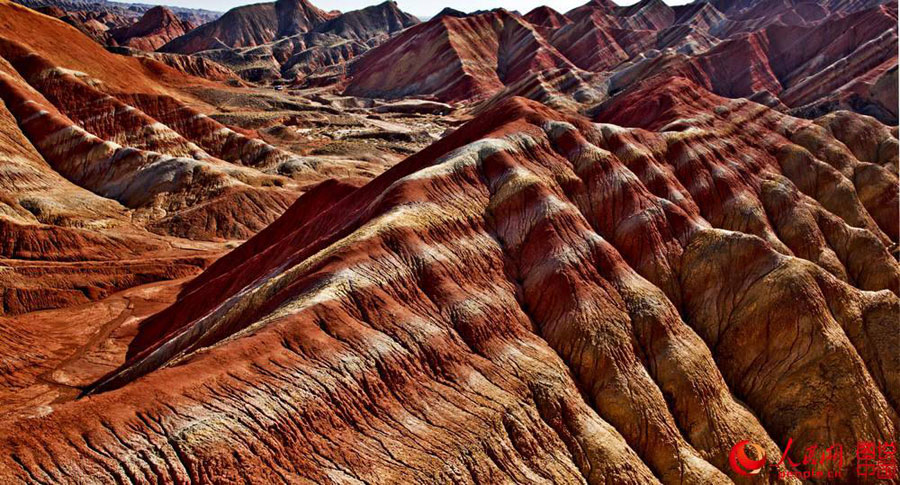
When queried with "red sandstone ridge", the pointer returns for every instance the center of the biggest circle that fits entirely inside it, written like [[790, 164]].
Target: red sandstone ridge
[[69, 235], [846, 60], [99, 19], [320, 56], [110, 178], [130, 12], [158, 26], [131, 135], [732, 48], [844, 54], [533, 296], [791, 13], [250, 25], [243, 26], [382, 19], [297, 16], [547, 18], [95, 25], [477, 55], [186, 63], [638, 236]]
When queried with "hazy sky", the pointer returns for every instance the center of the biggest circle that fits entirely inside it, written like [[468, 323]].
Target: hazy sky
[[424, 8]]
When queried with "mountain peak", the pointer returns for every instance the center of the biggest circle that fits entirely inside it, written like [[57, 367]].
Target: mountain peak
[[546, 17], [155, 28], [297, 16], [604, 4], [384, 18], [450, 12], [159, 12]]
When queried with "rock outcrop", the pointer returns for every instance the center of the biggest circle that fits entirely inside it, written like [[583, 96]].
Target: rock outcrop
[[190, 64], [297, 16], [535, 297], [101, 19], [158, 26], [324, 51], [250, 25], [846, 49], [109, 178], [378, 20], [130, 11], [477, 55], [547, 18], [635, 237], [96, 25]]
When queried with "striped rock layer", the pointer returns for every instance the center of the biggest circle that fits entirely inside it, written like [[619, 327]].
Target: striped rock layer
[[808, 60], [250, 25], [536, 298], [106, 165], [156, 27], [321, 51]]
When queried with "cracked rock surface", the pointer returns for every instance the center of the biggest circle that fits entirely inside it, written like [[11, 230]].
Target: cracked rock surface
[[535, 298]]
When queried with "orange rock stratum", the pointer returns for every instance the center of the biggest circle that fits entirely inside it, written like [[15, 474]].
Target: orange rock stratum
[[548, 263]]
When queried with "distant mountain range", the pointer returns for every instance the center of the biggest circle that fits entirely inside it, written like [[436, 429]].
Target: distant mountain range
[[128, 10]]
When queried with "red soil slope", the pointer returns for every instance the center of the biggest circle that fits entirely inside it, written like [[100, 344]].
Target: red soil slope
[[94, 24], [64, 245]]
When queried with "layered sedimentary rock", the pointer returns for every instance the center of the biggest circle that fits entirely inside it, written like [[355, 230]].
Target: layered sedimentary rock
[[589, 44], [95, 25], [845, 60], [687, 237], [243, 26], [533, 298], [69, 236], [64, 245], [107, 22], [377, 20], [311, 43], [191, 64], [135, 141], [156, 27], [645, 15], [321, 58], [297, 16], [477, 55], [547, 18], [323, 52], [112, 149], [130, 11], [111, 177], [795, 13], [250, 25]]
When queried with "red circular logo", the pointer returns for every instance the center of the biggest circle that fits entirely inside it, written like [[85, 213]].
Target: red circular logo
[[743, 464]]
